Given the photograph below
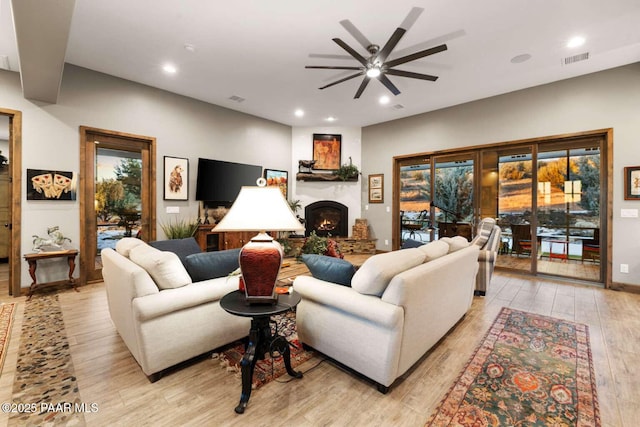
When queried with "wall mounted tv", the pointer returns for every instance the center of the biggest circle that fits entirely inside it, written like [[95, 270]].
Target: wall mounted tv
[[219, 182]]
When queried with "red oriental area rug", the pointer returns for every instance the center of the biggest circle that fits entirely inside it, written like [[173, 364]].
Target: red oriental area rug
[[268, 368], [529, 370]]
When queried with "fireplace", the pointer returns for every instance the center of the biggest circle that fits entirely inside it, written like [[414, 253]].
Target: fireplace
[[327, 217]]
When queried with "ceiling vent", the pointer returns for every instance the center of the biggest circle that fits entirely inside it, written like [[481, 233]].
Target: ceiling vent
[[575, 58], [398, 107], [236, 98]]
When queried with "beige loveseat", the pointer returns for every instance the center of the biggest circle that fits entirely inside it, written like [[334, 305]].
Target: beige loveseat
[[398, 306], [163, 317]]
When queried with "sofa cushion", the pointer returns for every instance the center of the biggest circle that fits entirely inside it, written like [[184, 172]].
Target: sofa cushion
[[455, 243], [210, 265], [124, 245], [181, 247], [484, 231], [376, 272], [434, 250], [329, 269], [165, 268]]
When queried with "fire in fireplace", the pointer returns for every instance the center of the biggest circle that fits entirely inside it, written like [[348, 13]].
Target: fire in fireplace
[[326, 217]]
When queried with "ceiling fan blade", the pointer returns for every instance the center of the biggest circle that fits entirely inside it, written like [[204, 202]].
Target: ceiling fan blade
[[385, 81], [411, 18], [416, 55], [322, 67], [353, 76], [360, 38], [402, 73], [391, 43], [362, 87], [352, 52], [330, 56]]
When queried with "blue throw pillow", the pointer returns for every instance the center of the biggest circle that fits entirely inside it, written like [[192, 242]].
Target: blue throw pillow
[[329, 269], [410, 243], [209, 265]]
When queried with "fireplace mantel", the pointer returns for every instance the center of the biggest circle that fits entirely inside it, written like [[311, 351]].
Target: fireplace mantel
[[301, 176]]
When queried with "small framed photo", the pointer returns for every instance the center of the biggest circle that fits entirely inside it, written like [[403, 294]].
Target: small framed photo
[[632, 183], [176, 178], [376, 188], [278, 178], [326, 151]]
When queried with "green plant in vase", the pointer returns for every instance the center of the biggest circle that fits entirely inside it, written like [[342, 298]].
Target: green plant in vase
[[347, 171], [180, 229]]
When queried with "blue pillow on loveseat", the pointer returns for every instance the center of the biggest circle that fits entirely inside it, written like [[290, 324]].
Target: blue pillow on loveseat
[[329, 269], [209, 265]]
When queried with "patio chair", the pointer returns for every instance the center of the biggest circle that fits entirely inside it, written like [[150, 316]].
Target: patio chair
[[521, 235]]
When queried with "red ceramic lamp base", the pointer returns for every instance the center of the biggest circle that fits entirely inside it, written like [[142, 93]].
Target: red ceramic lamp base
[[260, 262]]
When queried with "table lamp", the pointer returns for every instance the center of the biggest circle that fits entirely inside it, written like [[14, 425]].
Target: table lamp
[[260, 209]]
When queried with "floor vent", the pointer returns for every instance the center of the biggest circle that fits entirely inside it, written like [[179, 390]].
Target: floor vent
[[236, 98], [575, 58]]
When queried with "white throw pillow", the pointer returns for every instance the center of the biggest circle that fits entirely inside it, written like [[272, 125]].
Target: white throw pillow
[[165, 268], [433, 250], [124, 245], [456, 243], [376, 272]]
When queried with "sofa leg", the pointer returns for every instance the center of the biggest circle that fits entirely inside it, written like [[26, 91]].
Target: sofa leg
[[154, 377], [382, 388], [479, 293]]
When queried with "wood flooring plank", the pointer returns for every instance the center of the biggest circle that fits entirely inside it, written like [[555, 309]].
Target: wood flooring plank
[[204, 393]]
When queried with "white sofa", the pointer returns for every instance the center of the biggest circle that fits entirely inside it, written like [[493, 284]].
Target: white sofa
[[163, 317], [399, 305]]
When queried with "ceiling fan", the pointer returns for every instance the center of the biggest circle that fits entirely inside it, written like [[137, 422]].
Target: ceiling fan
[[376, 65]]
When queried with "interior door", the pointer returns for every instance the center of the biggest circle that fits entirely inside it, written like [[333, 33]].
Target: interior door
[[118, 188]]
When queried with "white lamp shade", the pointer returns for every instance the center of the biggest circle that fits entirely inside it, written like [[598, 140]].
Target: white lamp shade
[[259, 209]]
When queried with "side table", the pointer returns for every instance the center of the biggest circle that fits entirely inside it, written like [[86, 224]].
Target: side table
[[33, 259], [261, 340]]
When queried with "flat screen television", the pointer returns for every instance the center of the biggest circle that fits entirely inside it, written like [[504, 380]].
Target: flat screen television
[[219, 182]]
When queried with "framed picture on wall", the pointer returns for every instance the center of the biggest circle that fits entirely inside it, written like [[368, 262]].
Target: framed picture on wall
[[632, 183], [326, 151], [50, 185], [279, 179], [376, 188], [176, 178]]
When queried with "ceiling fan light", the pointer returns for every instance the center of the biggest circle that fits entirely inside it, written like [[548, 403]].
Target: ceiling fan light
[[373, 72]]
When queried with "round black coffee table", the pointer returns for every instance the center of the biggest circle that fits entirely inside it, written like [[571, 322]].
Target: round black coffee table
[[261, 341]]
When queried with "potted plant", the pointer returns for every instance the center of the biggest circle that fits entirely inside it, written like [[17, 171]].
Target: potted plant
[[180, 229], [348, 171]]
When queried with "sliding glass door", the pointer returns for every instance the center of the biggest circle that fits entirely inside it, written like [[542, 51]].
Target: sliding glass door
[[546, 196]]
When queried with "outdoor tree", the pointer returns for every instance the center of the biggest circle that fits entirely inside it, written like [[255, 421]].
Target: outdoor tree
[[129, 173], [109, 198], [588, 171], [454, 191]]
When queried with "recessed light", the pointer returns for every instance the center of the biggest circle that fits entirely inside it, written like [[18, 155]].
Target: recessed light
[[331, 119], [520, 58], [575, 41], [299, 113], [169, 68], [383, 100]]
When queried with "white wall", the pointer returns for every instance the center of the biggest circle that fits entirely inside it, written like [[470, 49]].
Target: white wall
[[608, 99], [183, 127], [347, 193]]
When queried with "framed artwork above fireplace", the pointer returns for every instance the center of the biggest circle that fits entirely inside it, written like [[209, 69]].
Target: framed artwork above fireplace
[[326, 151]]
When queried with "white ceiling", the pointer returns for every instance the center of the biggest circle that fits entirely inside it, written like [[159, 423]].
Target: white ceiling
[[257, 49]]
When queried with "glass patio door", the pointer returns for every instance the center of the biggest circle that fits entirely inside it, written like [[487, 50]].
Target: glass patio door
[[568, 210], [453, 204], [515, 207]]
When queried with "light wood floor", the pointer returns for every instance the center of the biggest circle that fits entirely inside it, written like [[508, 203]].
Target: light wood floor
[[205, 394]]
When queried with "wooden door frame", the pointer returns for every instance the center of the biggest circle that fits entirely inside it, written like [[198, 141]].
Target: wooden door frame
[[15, 195], [86, 184]]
